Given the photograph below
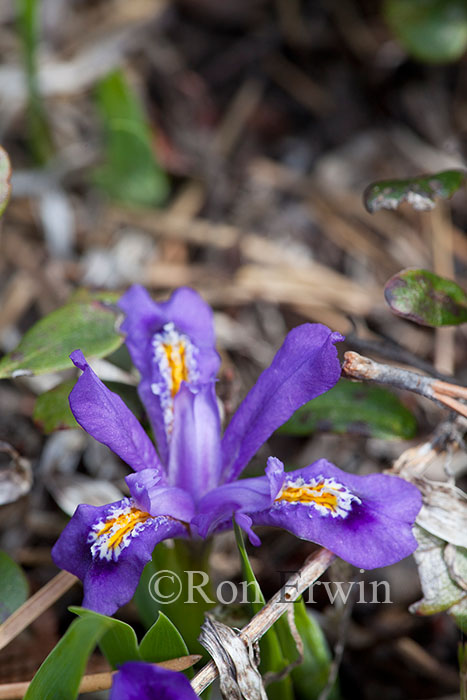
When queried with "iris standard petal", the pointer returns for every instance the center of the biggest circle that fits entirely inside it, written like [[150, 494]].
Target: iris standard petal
[[103, 415], [137, 680], [169, 342], [305, 367], [195, 449], [108, 546], [156, 499], [217, 507], [366, 520]]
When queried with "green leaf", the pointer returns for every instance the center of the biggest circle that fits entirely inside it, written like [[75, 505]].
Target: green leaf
[[351, 407], [419, 191], [311, 676], [119, 643], [434, 31], [52, 409], [183, 560], [162, 641], [60, 674], [46, 347], [14, 586], [274, 656], [426, 298], [130, 173], [5, 175], [39, 137]]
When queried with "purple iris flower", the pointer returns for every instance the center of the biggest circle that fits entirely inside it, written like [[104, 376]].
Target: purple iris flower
[[138, 680], [190, 487]]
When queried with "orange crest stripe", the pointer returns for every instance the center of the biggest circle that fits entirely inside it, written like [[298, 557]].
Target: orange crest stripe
[[323, 494], [303, 494], [117, 528]]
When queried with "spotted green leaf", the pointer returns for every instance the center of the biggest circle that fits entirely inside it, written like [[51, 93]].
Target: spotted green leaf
[[434, 31], [425, 298], [13, 586], [5, 175], [90, 326], [355, 408], [419, 191]]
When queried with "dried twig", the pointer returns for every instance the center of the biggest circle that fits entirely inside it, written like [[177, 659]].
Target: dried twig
[[313, 568], [359, 367], [35, 606]]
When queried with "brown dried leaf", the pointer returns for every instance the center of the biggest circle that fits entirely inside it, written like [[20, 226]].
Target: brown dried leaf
[[16, 478], [239, 677]]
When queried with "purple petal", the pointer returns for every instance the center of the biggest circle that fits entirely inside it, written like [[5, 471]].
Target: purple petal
[[110, 569], [156, 499], [137, 680], [218, 506], [195, 456], [147, 324], [305, 367], [366, 520], [103, 415]]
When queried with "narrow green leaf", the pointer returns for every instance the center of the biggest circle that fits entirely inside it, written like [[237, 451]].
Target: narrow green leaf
[[119, 643], [162, 641], [5, 175], [130, 172], [39, 136], [311, 676], [351, 407], [14, 586], [434, 31], [274, 656], [91, 327], [419, 191], [60, 674], [426, 298]]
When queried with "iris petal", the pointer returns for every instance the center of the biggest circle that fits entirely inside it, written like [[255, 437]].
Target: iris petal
[[103, 415], [107, 547], [304, 367], [366, 520], [146, 322], [195, 449], [137, 680]]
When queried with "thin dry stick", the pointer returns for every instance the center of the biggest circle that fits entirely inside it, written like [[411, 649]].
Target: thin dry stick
[[359, 367], [35, 606], [312, 569], [96, 681]]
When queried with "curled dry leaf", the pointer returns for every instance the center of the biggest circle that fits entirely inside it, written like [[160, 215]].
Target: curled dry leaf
[[444, 511], [16, 477], [239, 676], [435, 563]]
